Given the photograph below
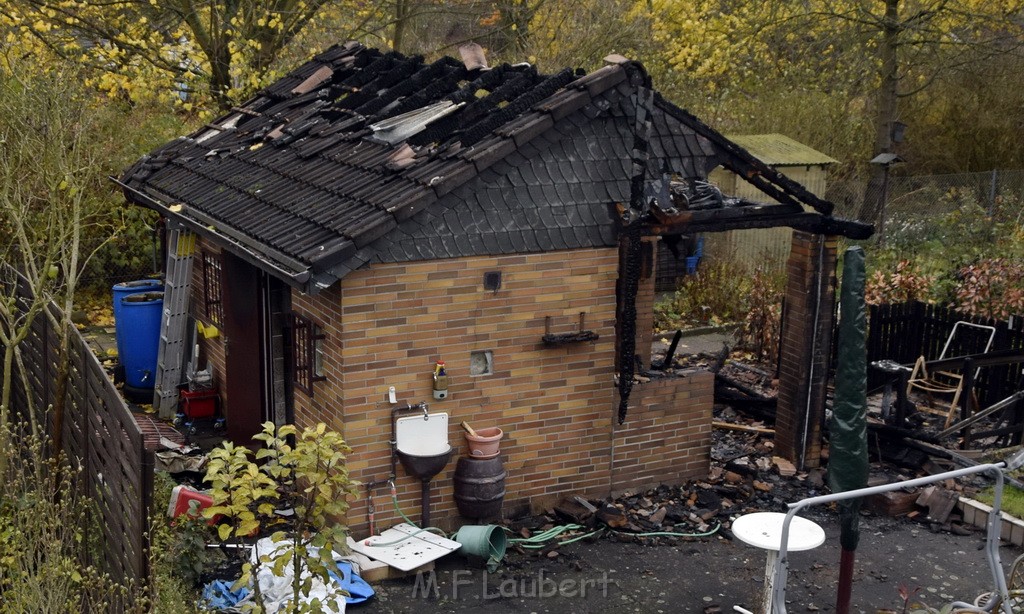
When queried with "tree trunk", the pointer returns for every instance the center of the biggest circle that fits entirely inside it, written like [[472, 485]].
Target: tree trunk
[[885, 110], [401, 25]]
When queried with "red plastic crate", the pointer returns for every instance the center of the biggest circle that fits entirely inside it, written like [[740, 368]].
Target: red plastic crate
[[199, 404]]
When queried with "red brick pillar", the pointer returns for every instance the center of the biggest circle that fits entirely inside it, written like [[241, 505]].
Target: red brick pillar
[[806, 346]]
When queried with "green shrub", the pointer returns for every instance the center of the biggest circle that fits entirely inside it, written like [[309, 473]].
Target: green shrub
[[308, 477], [716, 294], [48, 532], [762, 324]]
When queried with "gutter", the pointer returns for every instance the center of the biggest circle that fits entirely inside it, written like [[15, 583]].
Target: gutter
[[237, 243]]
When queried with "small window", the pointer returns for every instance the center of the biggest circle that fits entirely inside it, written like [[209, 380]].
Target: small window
[[481, 363], [211, 288], [307, 342]]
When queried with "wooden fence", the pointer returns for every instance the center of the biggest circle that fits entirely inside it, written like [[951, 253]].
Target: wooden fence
[[100, 436], [905, 331]]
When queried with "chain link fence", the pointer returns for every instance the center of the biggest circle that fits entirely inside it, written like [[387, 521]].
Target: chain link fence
[[908, 200], [127, 257]]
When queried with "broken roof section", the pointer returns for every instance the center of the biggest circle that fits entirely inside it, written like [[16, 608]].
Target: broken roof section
[[360, 156]]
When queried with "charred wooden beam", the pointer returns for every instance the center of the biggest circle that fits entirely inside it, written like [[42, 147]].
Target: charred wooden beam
[[768, 216], [988, 359], [741, 162]]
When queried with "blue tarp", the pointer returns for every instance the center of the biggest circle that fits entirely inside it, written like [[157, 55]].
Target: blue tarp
[[218, 595]]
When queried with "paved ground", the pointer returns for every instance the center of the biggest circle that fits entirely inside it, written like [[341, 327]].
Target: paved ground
[[608, 576]]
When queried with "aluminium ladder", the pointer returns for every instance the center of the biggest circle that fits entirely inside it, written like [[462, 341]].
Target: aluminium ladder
[[181, 247]]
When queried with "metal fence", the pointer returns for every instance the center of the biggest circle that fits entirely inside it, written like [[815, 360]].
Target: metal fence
[[101, 436], [999, 193]]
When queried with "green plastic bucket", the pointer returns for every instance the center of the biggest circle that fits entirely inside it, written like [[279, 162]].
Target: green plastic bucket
[[483, 541]]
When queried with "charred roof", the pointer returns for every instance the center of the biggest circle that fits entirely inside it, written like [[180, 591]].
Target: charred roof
[[362, 156]]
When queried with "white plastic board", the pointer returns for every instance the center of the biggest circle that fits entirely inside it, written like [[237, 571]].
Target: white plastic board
[[410, 553]]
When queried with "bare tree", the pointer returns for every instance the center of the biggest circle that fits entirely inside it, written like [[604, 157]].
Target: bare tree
[[51, 194]]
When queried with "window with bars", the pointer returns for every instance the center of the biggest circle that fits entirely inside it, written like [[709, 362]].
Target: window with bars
[[211, 288], [307, 352]]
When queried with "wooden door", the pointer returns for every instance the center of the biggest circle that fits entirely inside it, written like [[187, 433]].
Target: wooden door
[[246, 403]]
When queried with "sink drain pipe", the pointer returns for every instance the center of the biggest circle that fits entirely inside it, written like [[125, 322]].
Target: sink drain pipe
[[390, 480]]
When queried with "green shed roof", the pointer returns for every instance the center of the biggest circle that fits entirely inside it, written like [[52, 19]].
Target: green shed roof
[[780, 150]]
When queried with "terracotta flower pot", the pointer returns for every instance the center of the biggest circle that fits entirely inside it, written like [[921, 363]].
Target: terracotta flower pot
[[485, 443]]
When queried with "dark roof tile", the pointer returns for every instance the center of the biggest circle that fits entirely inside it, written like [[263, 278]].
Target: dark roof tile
[[601, 79], [452, 176], [527, 128], [564, 102], [544, 239], [528, 162], [487, 153]]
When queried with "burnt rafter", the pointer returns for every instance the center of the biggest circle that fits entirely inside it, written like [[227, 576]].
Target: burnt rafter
[[752, 215], [741, 162]]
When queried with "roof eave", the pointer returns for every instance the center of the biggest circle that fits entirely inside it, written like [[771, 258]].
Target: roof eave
[[262, 257]]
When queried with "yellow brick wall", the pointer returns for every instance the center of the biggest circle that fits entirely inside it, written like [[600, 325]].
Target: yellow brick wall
[[554, 404], [388, 324]]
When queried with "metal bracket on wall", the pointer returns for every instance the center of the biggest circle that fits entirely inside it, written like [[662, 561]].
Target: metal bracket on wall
[[581, 335]]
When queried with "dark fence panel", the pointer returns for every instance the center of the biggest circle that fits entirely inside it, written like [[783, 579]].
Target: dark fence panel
[[99, 434], [905, 331]]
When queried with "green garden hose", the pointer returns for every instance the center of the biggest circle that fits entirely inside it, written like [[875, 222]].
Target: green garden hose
[[394, 499], [541, 540]]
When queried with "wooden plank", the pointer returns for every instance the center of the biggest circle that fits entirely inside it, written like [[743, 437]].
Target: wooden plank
[[729, 426]]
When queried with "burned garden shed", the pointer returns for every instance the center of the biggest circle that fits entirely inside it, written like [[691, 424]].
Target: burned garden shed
[[370, 214]]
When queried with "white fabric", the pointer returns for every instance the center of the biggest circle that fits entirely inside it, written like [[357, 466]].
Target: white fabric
[[277, 590]]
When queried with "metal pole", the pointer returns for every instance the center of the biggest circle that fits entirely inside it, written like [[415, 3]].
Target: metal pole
[[992, 192], [881, 208]]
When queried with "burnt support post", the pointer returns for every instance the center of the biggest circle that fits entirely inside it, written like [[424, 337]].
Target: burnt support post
[[805, 349]]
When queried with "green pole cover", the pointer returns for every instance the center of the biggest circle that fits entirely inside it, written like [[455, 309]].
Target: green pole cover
[[848, 444]]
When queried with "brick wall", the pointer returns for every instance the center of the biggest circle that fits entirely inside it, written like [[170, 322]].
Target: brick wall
[[325, 404], [645, 296], [387, 325], [667, 434], [803, 374]]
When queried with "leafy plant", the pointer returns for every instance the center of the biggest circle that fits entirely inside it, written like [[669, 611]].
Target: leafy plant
[[309, 478], [762, 324], [716, 294], [177, 557], [991, 288], [904, 284], [47, 531]]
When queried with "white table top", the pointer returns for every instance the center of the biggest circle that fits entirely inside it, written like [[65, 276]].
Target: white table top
[[764, 530]]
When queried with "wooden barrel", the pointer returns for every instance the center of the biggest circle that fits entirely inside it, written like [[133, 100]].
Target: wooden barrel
[[479, 487]]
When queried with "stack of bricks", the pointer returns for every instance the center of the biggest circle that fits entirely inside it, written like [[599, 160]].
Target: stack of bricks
[[806, 345]]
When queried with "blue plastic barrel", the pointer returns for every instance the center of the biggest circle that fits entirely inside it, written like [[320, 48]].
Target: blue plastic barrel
[[124, 289], [138, 330]]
